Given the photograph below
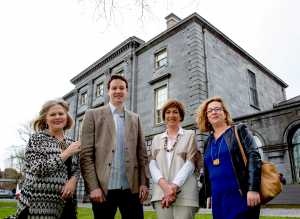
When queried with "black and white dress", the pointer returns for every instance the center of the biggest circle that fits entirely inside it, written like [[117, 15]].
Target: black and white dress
[[45, 175]]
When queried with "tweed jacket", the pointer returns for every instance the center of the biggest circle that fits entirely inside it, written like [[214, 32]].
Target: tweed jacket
[[98, 140], [185, 149], [45, 176]]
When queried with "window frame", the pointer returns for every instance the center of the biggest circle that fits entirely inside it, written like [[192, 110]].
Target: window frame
[[163, 60], [85, 95], [101, 91], [253, 94], [158, 120]]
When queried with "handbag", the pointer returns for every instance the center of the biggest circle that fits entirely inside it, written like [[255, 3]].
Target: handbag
[[270, 185]]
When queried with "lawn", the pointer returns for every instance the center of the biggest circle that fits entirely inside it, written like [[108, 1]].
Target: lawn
[[8, 208]]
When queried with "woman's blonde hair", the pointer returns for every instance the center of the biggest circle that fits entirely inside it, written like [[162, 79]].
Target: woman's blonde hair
[[40, 124], [202, 120]]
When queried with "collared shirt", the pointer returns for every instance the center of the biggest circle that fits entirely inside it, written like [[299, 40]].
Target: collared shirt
[[115, 112], [118, 178], [186, 170]]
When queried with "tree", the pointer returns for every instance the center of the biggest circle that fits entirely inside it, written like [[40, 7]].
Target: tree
[[17, 156], [11, 173], [107, 9]]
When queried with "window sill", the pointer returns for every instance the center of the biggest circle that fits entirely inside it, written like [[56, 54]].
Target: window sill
[[159, 78], [255, 107]]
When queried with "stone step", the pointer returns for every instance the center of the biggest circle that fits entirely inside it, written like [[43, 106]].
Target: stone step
[[290, 195]]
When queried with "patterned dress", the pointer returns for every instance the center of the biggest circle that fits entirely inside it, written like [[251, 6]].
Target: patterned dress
[[45, 175]]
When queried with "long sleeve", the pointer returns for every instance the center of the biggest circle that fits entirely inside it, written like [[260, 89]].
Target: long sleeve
[[155, 171], [87, 162], [185, 171], [142, 157], [39, 161], [254, 159]]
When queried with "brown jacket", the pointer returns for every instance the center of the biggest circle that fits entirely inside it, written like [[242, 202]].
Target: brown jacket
[[98, 140]]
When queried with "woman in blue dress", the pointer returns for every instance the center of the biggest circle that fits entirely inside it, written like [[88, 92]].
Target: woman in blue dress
[[232, 188]]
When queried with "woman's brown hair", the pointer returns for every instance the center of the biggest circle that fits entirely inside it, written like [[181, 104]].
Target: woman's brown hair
[[176, 104]]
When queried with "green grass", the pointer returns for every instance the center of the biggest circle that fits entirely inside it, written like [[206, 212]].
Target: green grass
[[8, 204], [4, 212], [8, 208]]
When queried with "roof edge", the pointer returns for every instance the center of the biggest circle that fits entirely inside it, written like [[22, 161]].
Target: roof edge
[[129, 40], [221, 35]]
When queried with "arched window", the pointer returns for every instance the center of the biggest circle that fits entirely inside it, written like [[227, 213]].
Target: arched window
[[296, 153], [259, 145]]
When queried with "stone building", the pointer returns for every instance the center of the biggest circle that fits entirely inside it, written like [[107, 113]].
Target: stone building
[[277, 132], [191, 61]]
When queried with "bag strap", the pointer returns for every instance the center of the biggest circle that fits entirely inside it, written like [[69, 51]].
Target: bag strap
[[240, 145]]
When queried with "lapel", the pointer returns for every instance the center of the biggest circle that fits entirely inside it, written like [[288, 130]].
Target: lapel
[[164, 155], [109, 120], [180, 137]]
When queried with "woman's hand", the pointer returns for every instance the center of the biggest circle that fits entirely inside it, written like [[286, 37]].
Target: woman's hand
[[253, 198], [73, 148], [69, 188], [169, 190]]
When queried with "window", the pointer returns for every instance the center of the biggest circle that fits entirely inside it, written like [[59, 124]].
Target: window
[[161, 59], [259, 145], [83, 99], [99, 90], [253, 90], [161, 96], [79, 128], [118, 69], [296, 153], [121, 72]]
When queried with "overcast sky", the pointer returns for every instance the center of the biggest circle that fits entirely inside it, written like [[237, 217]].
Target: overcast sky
[[43, 44]]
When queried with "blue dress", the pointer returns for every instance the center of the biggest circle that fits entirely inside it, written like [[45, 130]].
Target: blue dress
[[227, 201]]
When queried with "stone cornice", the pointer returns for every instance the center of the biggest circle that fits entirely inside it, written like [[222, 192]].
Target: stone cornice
[[195, 17], [131, 42]]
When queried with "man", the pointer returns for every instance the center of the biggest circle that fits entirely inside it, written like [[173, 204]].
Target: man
[[113, 157]]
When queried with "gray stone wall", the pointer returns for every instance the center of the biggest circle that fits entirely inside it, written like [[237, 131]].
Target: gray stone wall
[[88, 84], [228, 77], [184, 76], [274, 128], [72, 99]]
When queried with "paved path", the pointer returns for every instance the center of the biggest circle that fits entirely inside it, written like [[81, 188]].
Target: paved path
[[283, 212]]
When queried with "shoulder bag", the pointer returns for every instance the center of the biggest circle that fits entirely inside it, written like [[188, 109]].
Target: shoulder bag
[[270, 185]]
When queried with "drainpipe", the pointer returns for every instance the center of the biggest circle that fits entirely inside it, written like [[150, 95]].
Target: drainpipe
[[205, 59]]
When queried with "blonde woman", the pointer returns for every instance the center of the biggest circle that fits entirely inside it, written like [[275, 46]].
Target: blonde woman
[[233, 188], [172, 167], [51, 166]]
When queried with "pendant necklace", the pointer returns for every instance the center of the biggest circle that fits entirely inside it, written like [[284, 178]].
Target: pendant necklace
[[173, 146], [216, 161]]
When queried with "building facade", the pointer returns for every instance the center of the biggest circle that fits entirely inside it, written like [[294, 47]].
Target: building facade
[[190, 61]]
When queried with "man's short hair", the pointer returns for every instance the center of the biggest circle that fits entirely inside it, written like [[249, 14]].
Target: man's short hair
[[115, 77]]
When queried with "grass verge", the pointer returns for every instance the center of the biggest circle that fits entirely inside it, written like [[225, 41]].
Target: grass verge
[[8, 208]]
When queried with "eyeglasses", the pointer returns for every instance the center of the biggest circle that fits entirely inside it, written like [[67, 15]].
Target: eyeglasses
[[216, 109]]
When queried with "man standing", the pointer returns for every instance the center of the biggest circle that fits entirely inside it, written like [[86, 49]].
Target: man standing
[[113, 158]]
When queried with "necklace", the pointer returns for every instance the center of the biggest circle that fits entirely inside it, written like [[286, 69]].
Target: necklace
[[216, 161], [173, 146]]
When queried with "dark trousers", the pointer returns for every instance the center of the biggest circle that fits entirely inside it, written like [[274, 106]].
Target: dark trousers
[[128, 204]]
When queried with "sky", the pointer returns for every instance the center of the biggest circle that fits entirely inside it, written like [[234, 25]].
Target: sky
[[43, 44]]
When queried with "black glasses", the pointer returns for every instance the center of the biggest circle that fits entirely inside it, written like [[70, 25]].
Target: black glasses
[[216, 109]]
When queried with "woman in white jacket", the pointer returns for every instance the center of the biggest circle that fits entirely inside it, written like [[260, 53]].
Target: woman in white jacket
[[172, 166]]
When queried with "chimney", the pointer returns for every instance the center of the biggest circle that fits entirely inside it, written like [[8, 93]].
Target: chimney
[[172, 20]]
